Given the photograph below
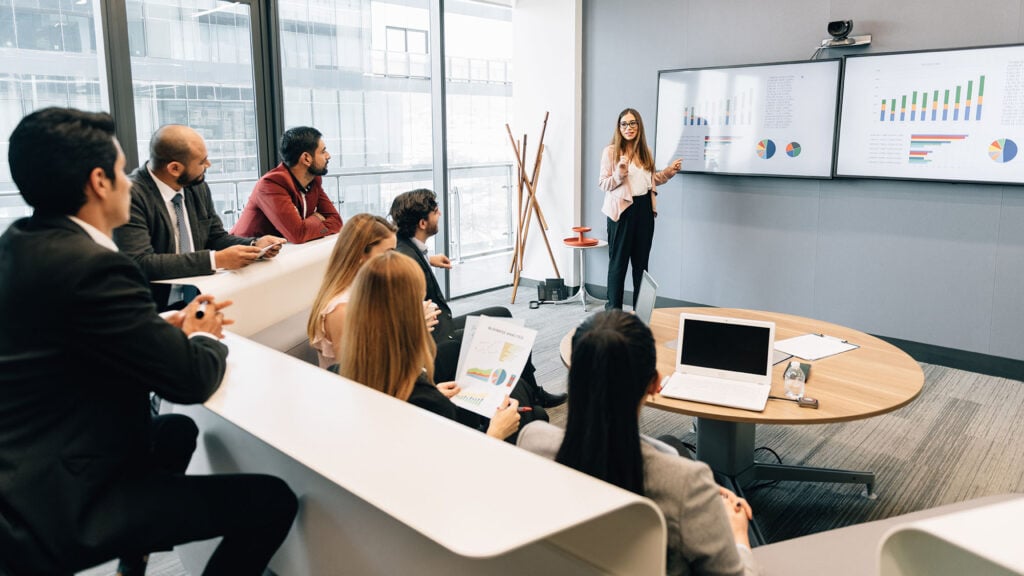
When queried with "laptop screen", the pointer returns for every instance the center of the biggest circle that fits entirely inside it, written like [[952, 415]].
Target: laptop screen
[[645, 300], [724, 346]]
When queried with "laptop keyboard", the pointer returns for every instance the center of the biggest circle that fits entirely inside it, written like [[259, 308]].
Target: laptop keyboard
[[747, 396]]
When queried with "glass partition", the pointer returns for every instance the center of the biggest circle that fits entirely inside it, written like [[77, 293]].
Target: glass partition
[[50, 55]]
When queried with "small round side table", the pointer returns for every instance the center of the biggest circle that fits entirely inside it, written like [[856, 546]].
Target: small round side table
[[582, 295]]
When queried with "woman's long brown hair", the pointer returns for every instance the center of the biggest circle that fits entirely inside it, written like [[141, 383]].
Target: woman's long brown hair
[[359, 234], [387, 344]]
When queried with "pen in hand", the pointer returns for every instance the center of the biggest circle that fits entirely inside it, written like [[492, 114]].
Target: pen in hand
[[201, 310]]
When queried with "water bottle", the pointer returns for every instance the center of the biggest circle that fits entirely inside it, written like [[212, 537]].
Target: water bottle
[[794, 381]]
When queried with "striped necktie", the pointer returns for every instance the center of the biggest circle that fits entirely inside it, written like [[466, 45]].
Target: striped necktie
[[184, 238], [188, 292]]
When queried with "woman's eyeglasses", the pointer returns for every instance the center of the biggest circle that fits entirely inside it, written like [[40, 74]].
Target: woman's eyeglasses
[[630, 124]]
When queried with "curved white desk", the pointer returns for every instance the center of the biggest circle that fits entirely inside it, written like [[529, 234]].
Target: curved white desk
[[388, 488], [272, 298]]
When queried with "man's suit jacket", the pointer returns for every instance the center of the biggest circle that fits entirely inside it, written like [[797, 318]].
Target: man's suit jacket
[[149, 237], [81, 347], [277, 207], [445, 326]]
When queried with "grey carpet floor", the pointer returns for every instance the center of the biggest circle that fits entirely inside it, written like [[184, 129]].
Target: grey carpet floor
[[960, 439]]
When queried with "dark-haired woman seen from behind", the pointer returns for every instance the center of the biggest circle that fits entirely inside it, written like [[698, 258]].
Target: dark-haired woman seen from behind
[[630, 182], [614, 365]]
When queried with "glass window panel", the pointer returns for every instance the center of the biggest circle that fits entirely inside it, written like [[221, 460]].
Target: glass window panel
[[50, 60], [478, 46], [376, 120], [196, 69], [395, 40], [416, 41]]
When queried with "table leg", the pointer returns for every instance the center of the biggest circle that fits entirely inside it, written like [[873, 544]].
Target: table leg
[[582, 295], [728, 448]]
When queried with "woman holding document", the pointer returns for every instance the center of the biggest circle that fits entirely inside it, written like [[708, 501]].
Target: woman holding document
[[629, 180], [388, 347], [614, 365], [363, 237]]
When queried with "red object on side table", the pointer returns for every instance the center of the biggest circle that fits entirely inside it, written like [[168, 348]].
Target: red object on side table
[[580, 240]]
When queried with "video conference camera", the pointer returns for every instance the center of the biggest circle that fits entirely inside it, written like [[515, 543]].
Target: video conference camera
[[839, 30]]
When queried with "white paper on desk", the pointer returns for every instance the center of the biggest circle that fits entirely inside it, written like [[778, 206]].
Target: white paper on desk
[[813, 346], [492, 362]]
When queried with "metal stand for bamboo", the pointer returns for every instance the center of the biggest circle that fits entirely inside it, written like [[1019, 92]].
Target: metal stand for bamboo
[[528, 205]]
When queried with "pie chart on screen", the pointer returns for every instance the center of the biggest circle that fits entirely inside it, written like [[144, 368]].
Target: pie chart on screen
[[766, 149], [793, 149], [1002, 150]]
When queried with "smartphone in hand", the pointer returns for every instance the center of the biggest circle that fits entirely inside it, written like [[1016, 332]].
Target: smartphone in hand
[[263, 251]]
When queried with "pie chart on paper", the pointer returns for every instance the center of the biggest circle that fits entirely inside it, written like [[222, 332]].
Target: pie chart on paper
[[793, 149], [1002, 150], [765, 149]]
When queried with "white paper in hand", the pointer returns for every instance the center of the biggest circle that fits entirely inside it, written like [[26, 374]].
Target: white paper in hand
[[492, 359]]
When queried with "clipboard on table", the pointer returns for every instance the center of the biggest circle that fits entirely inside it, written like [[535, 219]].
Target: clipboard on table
[[814, 346]]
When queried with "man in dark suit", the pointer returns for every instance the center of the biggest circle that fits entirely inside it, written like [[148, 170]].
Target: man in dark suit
[[416, 214], [169, 192], [86, 473]]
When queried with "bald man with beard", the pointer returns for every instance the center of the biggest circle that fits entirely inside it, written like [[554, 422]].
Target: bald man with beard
[[169, 191]]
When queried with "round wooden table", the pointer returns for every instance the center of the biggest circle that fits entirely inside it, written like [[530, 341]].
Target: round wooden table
[[873, 379]]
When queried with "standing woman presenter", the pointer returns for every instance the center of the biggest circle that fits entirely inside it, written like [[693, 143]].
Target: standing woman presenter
[[630, 183]]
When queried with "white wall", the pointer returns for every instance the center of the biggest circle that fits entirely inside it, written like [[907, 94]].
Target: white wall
[[546, 64]]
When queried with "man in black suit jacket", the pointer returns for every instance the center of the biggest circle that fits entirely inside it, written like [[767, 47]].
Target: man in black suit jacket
[[86, 473], [177, 164], [416, 214]]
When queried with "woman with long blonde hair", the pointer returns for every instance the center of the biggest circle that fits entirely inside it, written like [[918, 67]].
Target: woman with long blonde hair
[[388, 347], [362, 237]]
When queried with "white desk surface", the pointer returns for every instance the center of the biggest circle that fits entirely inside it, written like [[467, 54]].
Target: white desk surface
[[456, 486], [853, 550], [945, 544], [269, 291]]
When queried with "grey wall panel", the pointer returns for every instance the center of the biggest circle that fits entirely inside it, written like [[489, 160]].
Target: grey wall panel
[[746, 31], [924, 24], [936, 263], [1008, 294], [749, 242], [913, 262]]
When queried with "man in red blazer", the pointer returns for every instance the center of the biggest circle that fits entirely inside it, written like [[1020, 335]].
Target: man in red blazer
[[290, 200]]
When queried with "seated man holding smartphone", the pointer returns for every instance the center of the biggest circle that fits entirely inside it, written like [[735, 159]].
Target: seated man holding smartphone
[[174, 231]]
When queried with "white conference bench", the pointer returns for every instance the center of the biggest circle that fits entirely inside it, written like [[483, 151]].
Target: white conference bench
[[272, 298], [388, 488], [857, 550]]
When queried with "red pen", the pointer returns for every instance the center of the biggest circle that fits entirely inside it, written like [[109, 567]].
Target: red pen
[[525, 409]]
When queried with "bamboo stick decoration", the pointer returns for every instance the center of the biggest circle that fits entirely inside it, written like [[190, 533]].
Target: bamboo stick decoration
[[525, 212]]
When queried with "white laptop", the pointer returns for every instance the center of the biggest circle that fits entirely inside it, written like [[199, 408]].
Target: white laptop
[[723, 361], [645, 300]]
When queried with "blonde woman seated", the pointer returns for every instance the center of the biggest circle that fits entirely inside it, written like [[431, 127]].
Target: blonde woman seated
[[362, 237], [614, 365], [389, 348]]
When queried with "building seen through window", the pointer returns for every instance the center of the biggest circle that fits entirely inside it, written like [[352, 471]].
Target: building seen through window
[[357, 70]]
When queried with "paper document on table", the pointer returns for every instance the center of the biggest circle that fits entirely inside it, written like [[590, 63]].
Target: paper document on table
[[491, 362], [814, 346]]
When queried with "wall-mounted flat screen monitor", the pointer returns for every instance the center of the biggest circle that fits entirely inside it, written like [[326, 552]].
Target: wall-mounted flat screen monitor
[[951, 115], [768, 119]]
